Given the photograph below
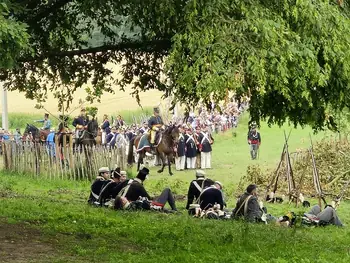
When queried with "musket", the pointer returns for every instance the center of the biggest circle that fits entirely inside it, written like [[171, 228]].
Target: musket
[[342, 193], [290, 181], [316, 177], [275, 177]]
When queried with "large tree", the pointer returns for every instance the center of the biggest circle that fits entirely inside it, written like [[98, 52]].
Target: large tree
[[290, 57]]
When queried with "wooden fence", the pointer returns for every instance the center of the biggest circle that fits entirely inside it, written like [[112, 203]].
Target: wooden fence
[[64, 162]]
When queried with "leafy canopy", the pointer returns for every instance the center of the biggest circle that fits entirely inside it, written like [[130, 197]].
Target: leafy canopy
[[290, 57]]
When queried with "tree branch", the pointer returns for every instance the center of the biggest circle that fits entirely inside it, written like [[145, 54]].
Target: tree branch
[[145, 46], [47, 10]]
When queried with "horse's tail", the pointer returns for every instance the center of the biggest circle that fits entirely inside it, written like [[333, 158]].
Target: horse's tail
[[131, 151]]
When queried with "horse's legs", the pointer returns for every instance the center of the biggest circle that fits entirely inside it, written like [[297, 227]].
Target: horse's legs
[[162, 157], [169, 165], [139, 161]]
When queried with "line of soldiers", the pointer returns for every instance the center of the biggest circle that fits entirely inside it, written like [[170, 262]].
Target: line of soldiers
[[194, 148]]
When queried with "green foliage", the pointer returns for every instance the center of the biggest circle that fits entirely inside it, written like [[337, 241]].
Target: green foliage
[[14, 37], [92, 111], [291, 58]]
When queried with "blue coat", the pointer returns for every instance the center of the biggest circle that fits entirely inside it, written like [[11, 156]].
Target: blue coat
[[203, 139], [111, 139], [106, 126], [79, 121], [50, 138], [181, 147], [191, 148]]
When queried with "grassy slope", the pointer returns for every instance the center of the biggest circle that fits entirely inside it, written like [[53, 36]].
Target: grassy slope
[[100, 235]]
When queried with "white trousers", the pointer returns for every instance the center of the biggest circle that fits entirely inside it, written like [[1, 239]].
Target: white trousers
[[180, 163], [104, 135], [191, 163], [205, 160]]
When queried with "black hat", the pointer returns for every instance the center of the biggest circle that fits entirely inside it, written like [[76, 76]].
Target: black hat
[[142, 174], [116, 173], [251, 188]]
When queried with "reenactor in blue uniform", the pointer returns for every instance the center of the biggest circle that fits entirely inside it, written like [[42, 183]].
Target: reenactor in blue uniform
[[111, 138], [80, 123], [144, 128], [155, 123], [105, 127], [191, 149], [46, 123], [196, 187], [205, 141], [180, 157], [102, 179]]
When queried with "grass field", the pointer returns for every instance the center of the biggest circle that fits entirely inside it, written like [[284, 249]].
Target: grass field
[[49, 221], [20, 120], [110, 103]]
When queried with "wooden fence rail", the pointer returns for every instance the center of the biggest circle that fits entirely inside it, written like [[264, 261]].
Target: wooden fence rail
[[64, 162]]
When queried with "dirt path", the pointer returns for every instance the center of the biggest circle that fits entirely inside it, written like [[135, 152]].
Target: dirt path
[[22, 243]]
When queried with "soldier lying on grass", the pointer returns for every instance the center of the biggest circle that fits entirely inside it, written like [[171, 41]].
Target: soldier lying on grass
[[251, 210]]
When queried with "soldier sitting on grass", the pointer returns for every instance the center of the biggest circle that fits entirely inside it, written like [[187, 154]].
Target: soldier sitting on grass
[[135, 197], [112, 188], [248, 206], [196, 187], [101, 180]]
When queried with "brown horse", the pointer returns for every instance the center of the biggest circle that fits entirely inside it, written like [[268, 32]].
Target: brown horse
[[165, 148], [36, 134]]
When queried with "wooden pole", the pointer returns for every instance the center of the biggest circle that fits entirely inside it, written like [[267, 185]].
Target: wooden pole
[[275, 176]]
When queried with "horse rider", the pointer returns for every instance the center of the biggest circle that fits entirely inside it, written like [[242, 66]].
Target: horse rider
[[46, 123], [80, 123], [254, 140], [154, 124]]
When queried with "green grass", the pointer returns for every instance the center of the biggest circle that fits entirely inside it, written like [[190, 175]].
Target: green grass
[[59, 209], [20, 120], [130, 116], [231, 157], [82, 233]]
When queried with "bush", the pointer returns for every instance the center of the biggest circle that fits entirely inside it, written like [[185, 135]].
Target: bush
[[332, 162]]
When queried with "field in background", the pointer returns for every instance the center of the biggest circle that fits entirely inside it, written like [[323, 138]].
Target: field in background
[[110, 103], [19, 120]]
